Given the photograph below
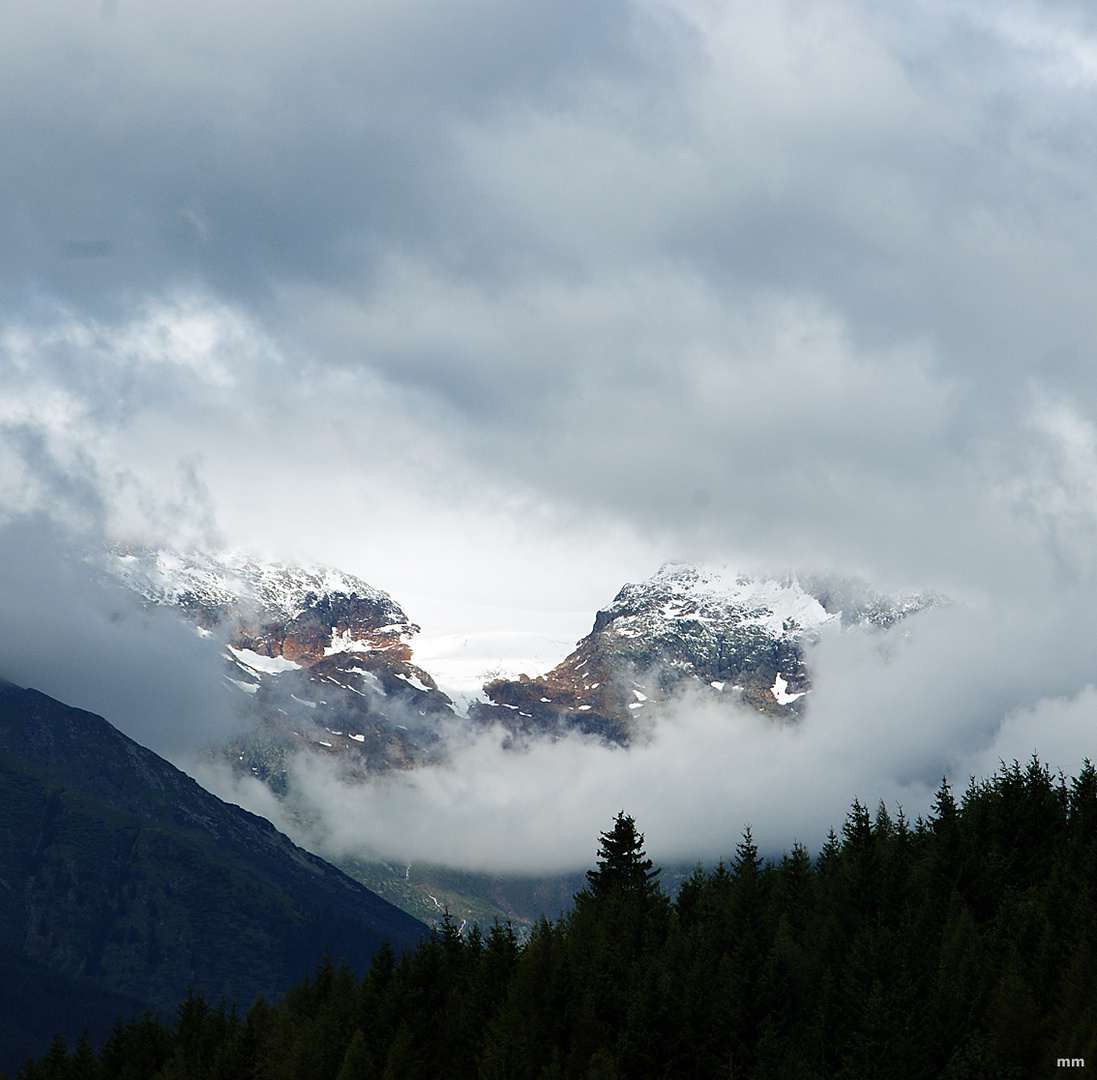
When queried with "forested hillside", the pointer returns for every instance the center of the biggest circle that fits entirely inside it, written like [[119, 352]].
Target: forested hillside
[[959, 947], [122, 882]]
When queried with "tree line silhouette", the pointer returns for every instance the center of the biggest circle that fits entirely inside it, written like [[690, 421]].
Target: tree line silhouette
[[961, 946]]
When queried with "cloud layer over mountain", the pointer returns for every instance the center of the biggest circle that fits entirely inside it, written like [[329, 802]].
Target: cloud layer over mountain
[[891, 715], [506, 303]]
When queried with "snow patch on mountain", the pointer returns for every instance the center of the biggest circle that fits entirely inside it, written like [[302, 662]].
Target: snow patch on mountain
[[343, 641], [267, 665], [779, 688]]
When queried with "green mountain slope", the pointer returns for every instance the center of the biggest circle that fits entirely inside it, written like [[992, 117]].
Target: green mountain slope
[[119, 871]]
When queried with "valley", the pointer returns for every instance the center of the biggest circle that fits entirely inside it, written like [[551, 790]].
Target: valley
[[319, 667]]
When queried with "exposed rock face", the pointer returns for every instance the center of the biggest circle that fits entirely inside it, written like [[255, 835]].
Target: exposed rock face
[[732, 636], [321, 660]]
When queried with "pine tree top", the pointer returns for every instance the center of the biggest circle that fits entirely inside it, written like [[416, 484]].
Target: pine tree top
[[622, 863]]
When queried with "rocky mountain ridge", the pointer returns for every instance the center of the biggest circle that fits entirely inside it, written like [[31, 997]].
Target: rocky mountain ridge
[[324, 660], [318, 662], [298, 613], [738, 637], [318, 659]]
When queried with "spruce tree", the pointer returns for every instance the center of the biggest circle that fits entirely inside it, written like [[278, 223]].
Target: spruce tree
[[747, 862], [622, 865]]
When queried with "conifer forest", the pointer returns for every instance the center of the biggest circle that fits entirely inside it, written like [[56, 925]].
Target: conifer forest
[[963, 946]]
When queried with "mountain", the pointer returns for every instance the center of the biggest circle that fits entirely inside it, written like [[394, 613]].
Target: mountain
[[292, 612], [122, 880], [321, 661], [735, 637], [317, 659]]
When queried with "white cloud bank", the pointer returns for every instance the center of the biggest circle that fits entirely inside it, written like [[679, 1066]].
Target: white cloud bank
[[949, 693]]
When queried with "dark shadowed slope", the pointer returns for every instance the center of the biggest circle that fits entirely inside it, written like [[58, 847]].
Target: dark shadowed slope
[[118, 870]]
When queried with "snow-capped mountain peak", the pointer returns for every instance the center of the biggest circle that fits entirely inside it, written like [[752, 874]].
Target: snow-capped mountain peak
[[274, 589], [317, 659], [707, 593], [696, 625]]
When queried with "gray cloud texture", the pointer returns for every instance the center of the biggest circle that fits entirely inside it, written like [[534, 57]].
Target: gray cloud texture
[[814, 259], [511, 302]]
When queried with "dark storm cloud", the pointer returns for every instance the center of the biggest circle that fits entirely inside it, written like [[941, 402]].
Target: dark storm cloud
[[821, 271], [237, 144], [820, 263]]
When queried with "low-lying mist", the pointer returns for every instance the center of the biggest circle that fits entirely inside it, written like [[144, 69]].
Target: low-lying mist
[[75, 637], [951, 692]]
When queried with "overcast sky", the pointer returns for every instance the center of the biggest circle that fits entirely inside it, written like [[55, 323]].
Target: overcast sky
[[501, 305]]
